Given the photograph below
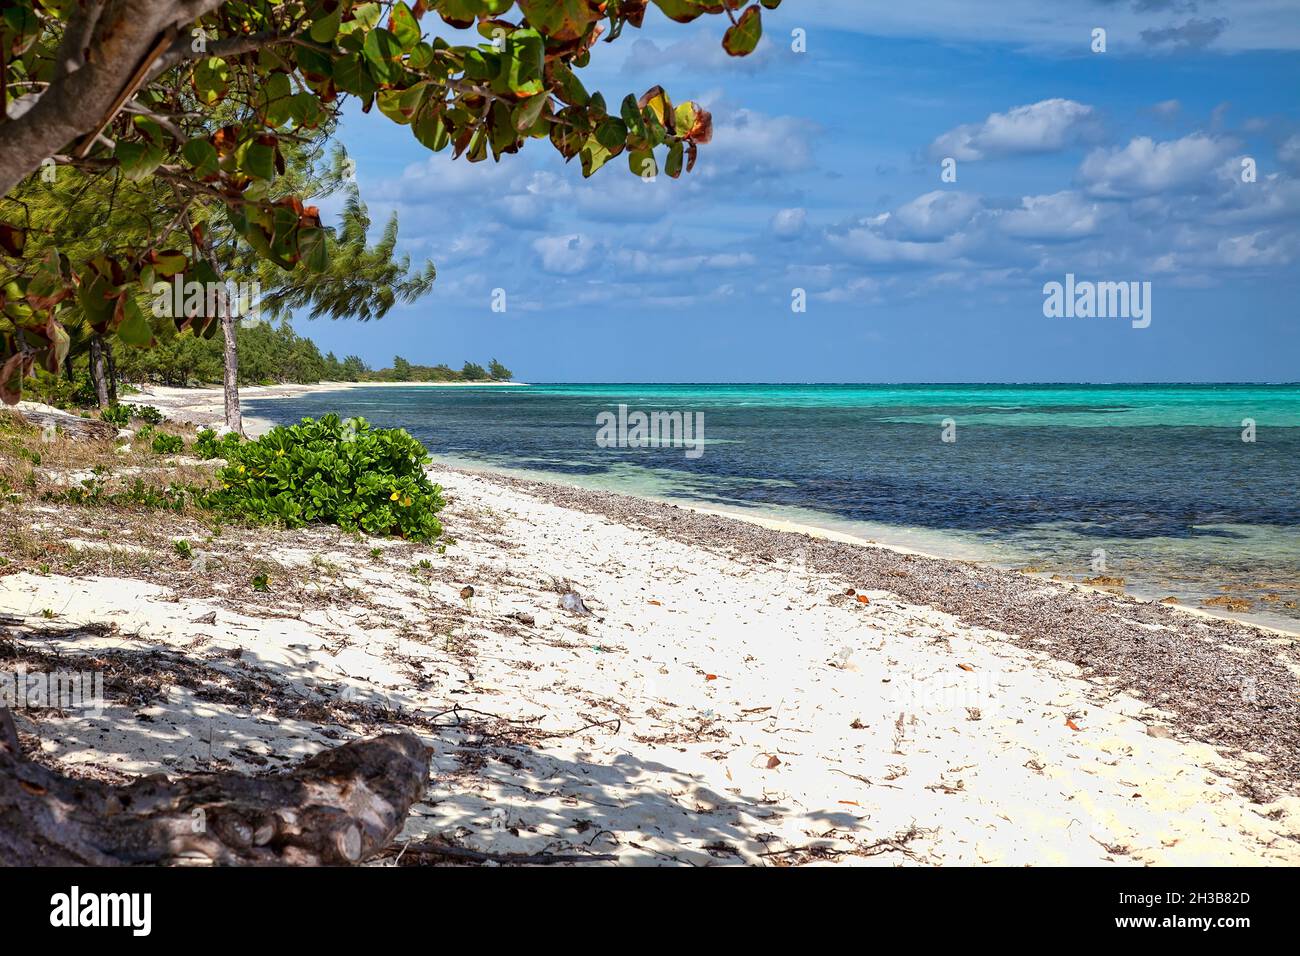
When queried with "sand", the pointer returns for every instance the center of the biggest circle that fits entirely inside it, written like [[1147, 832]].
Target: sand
[[719, 706]]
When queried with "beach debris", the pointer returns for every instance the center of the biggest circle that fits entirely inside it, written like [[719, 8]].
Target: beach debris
[[1104, 581], [523, 617], [466, 592], [773, 762], [1069, 722], [710, 676], [857, 724], [655, 603], [571, 601], [1169, 600], [1228, 603], [967, 667], [863, 599], [1164, 733]]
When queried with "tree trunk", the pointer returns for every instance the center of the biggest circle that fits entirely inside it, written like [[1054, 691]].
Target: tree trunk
[[97, 370], [229, 333], [341, 806], [112, 372], [231, 382]]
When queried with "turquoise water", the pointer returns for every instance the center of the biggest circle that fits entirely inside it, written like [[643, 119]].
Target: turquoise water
[[1150, 483]]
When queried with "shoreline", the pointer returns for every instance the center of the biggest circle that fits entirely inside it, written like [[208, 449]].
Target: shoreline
[[734, 694], [204, 406]]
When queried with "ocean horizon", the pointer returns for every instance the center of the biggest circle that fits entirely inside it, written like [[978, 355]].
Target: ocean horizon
[[1183, 490]]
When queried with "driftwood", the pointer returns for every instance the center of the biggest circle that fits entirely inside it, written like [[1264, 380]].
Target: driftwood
[[73, 425], [341, 806], [416, 853]]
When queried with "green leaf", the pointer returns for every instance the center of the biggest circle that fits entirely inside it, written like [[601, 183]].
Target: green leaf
[[352, 77], [202, 155], [521, 68], [326, 28], [381, 52], [743, 36], [673, 167], [134, 328], [402, 24], [138, 160], [276, 103], [528, 113], [560, 19], [256, 159], [211, 80]]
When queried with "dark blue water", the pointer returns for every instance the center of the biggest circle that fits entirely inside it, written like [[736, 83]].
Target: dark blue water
[[1157, 477]]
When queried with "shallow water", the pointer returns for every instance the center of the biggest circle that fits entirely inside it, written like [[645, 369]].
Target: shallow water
[[1153, 484]]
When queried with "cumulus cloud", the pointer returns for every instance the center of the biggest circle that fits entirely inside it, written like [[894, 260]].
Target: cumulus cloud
[[1289, 152], [932, 216], [566, 255], [1145, 167], [1042, 127], [789, 224], [1063, 215], [752, 143]]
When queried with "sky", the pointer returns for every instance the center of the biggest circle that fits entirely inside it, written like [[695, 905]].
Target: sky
[[825, 175]]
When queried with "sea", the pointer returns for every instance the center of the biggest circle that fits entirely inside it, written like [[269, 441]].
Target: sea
[[1185, 491]]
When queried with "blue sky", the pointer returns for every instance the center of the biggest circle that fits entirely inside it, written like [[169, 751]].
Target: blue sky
[[824, 175]]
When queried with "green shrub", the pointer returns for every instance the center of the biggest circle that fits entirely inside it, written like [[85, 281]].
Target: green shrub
[[119, 415], [208, 445], [165, 444], [352, 475]]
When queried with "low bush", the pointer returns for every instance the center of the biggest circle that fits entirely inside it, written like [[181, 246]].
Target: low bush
[[332, 472], [208, 445], [165, 444], [119, 415]]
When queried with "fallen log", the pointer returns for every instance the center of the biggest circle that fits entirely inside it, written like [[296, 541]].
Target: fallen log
[[73, 426], [340, 806]]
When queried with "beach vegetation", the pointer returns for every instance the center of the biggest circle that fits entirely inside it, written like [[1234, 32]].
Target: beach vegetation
[[327, 471]]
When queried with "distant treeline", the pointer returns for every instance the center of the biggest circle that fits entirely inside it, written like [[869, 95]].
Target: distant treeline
[[268, 355], [403, 371]]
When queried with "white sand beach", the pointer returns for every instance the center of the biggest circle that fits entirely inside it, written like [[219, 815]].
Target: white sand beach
[[206, 406], [727, 700]]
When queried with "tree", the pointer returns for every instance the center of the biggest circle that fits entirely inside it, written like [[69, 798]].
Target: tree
[[200, 99], [498, 372], [354, 368], [473, 372], [401, 369]]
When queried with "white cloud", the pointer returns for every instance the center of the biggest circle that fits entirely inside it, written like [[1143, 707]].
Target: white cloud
[[1063, 215], [789, 224], [566, 255], [1042, 127], [1289, 152], [754, 144], [932, 216], [1145, 167]]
